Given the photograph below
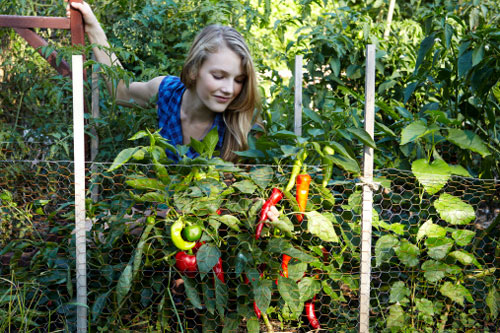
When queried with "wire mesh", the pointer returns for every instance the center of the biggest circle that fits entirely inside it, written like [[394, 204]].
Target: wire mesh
[[425, 275]]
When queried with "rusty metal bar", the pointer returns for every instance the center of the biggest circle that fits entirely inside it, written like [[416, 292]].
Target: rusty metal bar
[[36, 42], [15, 21]]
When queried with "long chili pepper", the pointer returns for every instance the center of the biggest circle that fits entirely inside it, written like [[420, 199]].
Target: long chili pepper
[[327, 164], [311, 315], [284, 266], [276, 196], [297, 165], [303, 181], [256, 310]]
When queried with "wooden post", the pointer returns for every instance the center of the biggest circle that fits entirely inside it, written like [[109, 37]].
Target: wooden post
[[94, 143], [298, 96], [79, 159], [389, 18], [367, 208]]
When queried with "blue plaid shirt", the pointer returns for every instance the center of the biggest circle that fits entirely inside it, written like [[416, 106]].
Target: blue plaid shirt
[[169, 116]]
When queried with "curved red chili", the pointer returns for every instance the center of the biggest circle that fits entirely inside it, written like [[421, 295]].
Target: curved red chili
[[276, 196], [256, 310], [311, 315]]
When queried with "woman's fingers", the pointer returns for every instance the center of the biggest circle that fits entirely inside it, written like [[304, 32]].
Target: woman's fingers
[[273, 214]]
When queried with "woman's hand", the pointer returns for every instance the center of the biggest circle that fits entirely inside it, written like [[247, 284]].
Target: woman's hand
[[273, 214], [89, 18]]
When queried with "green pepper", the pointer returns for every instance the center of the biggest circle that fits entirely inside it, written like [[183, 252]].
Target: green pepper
[[192, 232], [176, 235], [327, 164], [297, 166]]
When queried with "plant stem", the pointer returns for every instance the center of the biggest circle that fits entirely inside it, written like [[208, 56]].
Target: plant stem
[[445, 319], [268, 324], [172, 299]]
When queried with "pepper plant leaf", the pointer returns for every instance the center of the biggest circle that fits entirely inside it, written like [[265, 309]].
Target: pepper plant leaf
[[396, 318], [384, 248], [321, 226], [206, 257], [262, 175], [407, 253], [399, 293], [438, 248], [433, 176], [413, 131], [191, 292], [308, 287], [263, 295], [430, 230], [456, 293], [465, 258], [493, 301], [466, 139], [463, 237], [434, 270], [289, 290], [453, 210]]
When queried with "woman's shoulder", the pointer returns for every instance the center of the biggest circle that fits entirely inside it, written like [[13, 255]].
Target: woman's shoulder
[[170, 83]]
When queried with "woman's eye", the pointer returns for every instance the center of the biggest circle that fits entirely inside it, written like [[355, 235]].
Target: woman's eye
[[217, 77]]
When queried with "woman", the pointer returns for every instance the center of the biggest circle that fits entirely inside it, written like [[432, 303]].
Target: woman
[[217, 88]]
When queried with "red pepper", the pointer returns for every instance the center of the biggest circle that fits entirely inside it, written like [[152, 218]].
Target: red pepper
[[275, 197], [303, 181], [284, 266], [219, 272], [186, 263], [311, 316], [256, 310]]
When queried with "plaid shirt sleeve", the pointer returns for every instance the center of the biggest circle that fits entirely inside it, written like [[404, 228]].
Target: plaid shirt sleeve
[[169, 120]]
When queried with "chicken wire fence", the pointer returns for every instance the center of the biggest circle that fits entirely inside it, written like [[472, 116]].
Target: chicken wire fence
[[434, 256]]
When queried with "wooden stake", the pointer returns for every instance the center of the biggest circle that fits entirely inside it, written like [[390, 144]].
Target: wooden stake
[[298, 96]]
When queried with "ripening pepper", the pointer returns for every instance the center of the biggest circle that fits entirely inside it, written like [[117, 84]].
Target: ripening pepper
[[303, 181], [275, 197], [176, 235], [219, 272], [311, 315], [327, 165], [297, 165]]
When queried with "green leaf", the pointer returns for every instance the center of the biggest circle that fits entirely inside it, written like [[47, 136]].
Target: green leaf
[[396, 318], [141, 183], [296, 270], [413, 131], [438, 248], [230, 220], [430, 230], [262, 175], [289, 291], [407, 253], [192, 293], [409, 91], [465, 258], [468, 140], [456, 292], [124, 283], [210, 140], [284, 224], [464, 63], [434, 270], [139, 135], [99, 305], [399, 292], [208, 297], [253, 325], [206, 257], [425, 47], [493, 301], [363, 136], [321, 226], [308, 287], [221, 296], [245, 186], [384, 248], [346, 163], [299, 255], [459, 171], [432, 176], [453, 210], [123, 157], [463, 237], [425, 306], [262, 296]]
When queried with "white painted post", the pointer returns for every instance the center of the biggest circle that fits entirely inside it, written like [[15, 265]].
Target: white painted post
[[298, 96], [366, 214], [79, 159], [389, 19]]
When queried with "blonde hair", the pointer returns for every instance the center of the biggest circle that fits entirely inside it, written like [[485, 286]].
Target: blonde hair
[[239, 114]]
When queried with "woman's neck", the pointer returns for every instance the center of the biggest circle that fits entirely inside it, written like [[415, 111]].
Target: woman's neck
[[193, 111]]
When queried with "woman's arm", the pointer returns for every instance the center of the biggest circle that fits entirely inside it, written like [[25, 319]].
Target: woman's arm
[[137, 93]]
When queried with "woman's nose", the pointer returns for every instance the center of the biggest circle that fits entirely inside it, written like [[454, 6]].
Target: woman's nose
[[227, 87]]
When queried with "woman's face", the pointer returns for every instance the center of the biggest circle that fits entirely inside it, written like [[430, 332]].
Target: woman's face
[[220, 79]]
